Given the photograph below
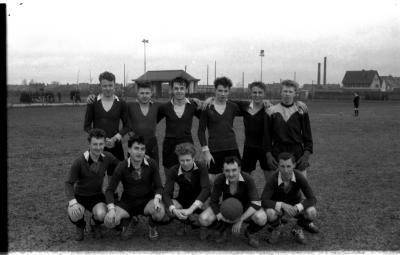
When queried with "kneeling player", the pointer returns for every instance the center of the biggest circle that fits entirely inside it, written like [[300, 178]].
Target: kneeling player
[[142, 191], [87, 174], [282, 195], [194, 187], [233, 183]]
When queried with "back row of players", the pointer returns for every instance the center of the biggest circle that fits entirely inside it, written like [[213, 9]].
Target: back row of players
[[278, 136]]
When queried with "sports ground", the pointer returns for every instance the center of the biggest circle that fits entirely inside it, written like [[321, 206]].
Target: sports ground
[[354, 173]]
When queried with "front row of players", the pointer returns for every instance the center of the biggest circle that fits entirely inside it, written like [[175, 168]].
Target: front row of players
[[195, 206]]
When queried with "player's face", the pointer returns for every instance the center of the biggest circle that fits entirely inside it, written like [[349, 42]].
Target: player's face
[[186, 161], [178, 90], [288, 94], [96, 146], [107, 87], [144, 95], [286, 169], [231, 172], [137, 151], [257, 94], [221, 93]]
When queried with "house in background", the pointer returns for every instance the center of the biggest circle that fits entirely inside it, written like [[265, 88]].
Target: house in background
[[162, 80], [362, 80], [390, 83]]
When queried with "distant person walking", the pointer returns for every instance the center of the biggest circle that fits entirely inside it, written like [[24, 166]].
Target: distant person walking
[[59, 96], [356, 103]]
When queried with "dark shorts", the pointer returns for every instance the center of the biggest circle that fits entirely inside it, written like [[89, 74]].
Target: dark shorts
[[219, 156], [152, 149], [251, 156], [90, 201], [295, 149], [168, 154], [134, 206], [117, 151]]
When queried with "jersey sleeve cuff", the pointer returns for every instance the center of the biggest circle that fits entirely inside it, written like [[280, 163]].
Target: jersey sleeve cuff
[[300, 207], [198, 203], [205, 148], [171, 207], [72, 202], [278, 206]]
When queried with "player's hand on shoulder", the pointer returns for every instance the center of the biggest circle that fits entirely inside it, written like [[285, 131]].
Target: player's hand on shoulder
[[267, 103], [302, 106], [91, 99], [207, 103]]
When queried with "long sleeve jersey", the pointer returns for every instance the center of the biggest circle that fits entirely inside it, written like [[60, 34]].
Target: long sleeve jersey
[[141, 124], [246, 192], [221, 136], [148, 184], [196, 187], [287, 125], [175, 127], [97, 117], [85, 177], [274, 191]]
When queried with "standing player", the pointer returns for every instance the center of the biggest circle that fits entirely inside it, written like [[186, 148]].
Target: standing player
[[288, 129], [282, 195], [178, 114], [106, 113], [84, 184], [356, 103], [142, 191], [218, 119], [194, 187], [254, 120], [233, 183], [142, 118]]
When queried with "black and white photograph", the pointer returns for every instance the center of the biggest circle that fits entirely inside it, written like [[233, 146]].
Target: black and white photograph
[[201, 126]]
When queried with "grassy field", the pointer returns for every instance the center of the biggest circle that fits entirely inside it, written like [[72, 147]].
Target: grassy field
[[354, 172]]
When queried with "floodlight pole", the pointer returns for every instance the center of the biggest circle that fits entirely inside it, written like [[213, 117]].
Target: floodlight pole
[[144, 41], [261, 56]]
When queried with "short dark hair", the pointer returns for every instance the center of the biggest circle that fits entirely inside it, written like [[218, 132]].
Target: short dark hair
[[224, 81], [96, 133], [180, 79], [185, 149], [290, 83], [136, 139], [286, 156], [258, 84], [144, 84], [107, 76], [232, 160]]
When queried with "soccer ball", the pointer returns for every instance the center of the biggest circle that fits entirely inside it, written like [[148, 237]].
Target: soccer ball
[[231, 209]]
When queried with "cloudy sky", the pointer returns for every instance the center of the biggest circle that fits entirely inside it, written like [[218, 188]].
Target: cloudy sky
[[55, 40]]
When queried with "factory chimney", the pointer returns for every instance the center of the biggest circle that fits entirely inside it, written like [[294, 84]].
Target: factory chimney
[[319, 74], [324, 70]]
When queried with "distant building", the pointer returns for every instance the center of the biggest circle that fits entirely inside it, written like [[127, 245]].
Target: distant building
[[362, 80], [390, 83], [162, 79], [310, 87]]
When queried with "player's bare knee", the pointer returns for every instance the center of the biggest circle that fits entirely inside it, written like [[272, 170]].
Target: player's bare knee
[[99, 211], [272, 215], [310, 213], [205, 220], [260, 217]]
